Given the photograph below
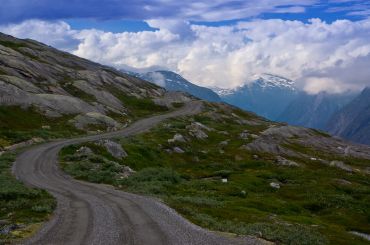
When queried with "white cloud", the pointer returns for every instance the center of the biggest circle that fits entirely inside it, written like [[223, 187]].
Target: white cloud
[[57, 34], [319, 56]]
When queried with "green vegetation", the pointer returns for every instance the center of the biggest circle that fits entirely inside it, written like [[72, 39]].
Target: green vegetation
[[316, 204], [12, 45], [20, 207], [19, 124], [137, 107]]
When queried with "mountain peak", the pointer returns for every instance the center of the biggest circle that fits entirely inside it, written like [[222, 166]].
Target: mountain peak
[[266, 80]]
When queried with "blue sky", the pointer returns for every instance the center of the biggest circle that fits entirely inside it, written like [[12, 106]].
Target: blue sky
[[127, 15], [321, 44]]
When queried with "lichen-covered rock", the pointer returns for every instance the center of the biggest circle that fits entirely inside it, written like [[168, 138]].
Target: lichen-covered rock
[[113, 148]]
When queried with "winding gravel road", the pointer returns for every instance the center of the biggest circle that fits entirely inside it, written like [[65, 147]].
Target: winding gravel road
[[98, 214]]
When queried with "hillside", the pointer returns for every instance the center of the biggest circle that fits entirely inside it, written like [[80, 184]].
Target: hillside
[[48, 93], [353, 121]]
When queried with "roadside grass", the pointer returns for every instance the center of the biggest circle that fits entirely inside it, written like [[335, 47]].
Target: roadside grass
[[19, 124], [20, 206], [316, 204]]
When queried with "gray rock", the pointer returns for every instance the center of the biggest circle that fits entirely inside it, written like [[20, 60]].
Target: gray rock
[[84, 150], [244, 135], [114, 148], [224, 143], [196, 129], [177, 138], [178, 150], [126, 172], [8, 228], [360, 234], [93, 118], [341, 165], [285, 162], [275, 185]]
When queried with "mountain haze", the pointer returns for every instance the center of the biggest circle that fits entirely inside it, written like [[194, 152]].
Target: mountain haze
[[353, 121]]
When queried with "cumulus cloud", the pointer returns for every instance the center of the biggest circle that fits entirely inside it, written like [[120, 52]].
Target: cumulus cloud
[[58, 34], [320, 56], [200, 10]]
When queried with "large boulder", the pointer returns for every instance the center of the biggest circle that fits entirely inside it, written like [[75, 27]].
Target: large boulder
[[113, 148]]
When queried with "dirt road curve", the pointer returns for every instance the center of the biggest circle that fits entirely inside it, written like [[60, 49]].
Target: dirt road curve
[[98, 214]]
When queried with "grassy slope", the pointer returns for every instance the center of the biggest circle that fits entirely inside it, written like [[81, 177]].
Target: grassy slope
[[20, 205], [310, 208]]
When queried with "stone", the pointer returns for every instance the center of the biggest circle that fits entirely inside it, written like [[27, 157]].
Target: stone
[[127, 172], [113, 148], [196, 129], [224, 180], [178, 150], [177, 138], [224, 143], [341, 165], [8, 228], [244, 135], [285, 162], [275, 185], [84, 150]]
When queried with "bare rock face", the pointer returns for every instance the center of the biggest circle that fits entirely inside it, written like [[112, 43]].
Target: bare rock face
[[101, 96], [172, 97], [57, 83], [113, 148], [95, 119]]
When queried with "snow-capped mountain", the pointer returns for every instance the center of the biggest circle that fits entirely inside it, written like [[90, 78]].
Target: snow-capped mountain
[[174, 82], [267, 96]]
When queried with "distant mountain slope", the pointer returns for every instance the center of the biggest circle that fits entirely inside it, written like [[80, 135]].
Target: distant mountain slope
[[353, 121], [172, 81], [314, 111], [268, 96]]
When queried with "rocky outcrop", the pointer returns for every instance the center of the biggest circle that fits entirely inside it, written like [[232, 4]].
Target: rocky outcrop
[[113, 148], [58, 84], [94, 119], [196, 129]]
